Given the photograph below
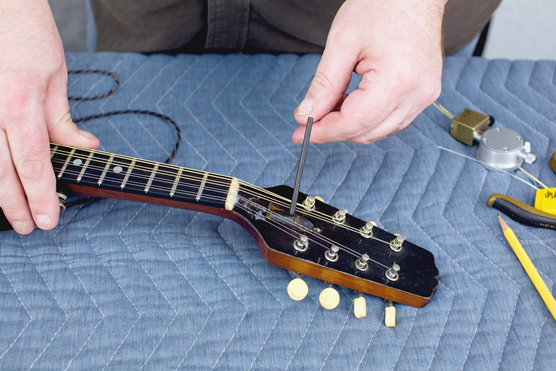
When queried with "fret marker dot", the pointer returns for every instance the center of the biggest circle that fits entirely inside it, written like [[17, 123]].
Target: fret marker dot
[[118, 169], [77, 162]]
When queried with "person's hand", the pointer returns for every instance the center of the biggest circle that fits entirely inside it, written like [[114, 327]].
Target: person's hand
[[33, 107], [396, 46]]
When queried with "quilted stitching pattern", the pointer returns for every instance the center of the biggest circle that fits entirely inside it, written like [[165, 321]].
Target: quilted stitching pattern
[[120, 285]]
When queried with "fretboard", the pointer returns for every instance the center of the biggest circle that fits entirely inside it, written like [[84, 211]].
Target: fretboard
[[132, 175]]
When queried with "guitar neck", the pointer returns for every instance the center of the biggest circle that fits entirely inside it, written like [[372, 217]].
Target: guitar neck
[[108, 175]]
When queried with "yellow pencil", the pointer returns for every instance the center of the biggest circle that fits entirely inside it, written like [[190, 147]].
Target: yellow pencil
[[529, 268]]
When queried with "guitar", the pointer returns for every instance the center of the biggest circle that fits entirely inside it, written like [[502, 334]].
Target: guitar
[[318, 240]]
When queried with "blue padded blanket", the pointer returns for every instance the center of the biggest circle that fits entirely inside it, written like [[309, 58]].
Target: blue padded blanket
[[129, 286]]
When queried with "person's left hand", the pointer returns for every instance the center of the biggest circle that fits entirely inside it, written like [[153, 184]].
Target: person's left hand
[[396, 46]]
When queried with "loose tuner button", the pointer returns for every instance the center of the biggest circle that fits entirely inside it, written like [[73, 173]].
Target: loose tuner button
[[332, 253], [297, 289], [367, 230], [396, 244], [62, 200], [362, 263], [329, 298], [302, 243], [309, 202], [340, 216], [392, 273], [390, 314], [360, 306]]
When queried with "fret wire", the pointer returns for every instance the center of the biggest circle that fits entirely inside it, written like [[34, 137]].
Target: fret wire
[[65, 164], [53, 151], [256, 191], [176, 183], [85, 166], [222, 198], [105, 169], [202, 187], [150, 162], [127, 174], [168, 166], [151, 178]]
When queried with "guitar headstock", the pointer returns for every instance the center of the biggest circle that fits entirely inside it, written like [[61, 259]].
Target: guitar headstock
[[327, 243]]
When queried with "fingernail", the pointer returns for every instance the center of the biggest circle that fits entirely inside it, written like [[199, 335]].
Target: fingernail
[[20, 226], [86, 134], [43, 221], [306, 107]]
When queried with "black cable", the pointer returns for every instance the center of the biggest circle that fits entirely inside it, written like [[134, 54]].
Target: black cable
[[114, 113]]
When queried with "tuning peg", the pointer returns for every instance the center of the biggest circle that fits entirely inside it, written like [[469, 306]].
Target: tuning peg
[[340, 216], [329, 298], [360, 306], [396, 244], [319, 198], [297, 289], [390, 314]]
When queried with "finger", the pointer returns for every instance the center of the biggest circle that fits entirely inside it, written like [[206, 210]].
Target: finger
[[61, 128], [29, 146], [331, 79], [361, 111], [12, 197]]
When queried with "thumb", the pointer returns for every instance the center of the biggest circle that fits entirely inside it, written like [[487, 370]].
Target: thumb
[[330, 82], [61, 128]]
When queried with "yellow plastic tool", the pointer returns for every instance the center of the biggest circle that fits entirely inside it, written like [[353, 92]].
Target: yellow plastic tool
[[545, 200]]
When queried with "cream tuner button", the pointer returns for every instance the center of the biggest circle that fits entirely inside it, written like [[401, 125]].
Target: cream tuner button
[[360, 307], [390, 315], [329, 298], [297, 289]]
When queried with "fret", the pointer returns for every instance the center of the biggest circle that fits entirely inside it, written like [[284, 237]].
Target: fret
[[176, 183], [201, 187], [151, 178], [85, 166], [106, 168], [127, 174], [66, 163], [53, 151]]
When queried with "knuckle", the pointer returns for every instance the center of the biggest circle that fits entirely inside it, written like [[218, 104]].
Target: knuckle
[[324, 82], [30, 168]]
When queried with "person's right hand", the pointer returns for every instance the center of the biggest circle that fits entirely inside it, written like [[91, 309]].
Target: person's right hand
[[33, 108]]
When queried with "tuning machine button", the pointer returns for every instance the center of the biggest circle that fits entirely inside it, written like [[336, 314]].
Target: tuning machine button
[[360, 306], [62, 200], [392, 273], [362, 262], [396, 243], [297, 289], [309, 202], [390, 314], [302, 243], [329, 298], [367, 230], [340, 216], [332, 253]]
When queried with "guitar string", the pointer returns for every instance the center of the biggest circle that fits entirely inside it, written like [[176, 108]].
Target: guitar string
[[268, 196], [284, 201], [315, 235], [300, 209], [262, 208]]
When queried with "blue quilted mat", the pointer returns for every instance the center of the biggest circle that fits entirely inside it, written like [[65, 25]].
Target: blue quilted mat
[[129, 286]]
